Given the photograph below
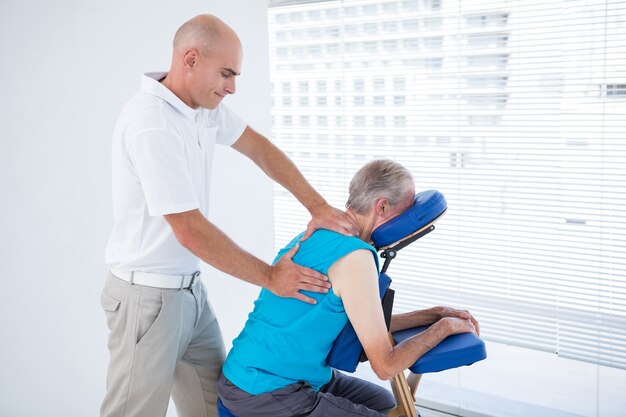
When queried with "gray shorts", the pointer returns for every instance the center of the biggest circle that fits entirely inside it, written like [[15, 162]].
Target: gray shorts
[[342, 396]]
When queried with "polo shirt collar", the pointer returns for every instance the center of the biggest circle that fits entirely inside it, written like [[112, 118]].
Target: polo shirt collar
[[150, 84]]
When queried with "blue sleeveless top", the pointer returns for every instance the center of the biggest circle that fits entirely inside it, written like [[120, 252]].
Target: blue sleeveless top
[[286, 340]]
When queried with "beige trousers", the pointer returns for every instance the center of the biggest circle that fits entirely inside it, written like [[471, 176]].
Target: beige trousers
[[162, 342]]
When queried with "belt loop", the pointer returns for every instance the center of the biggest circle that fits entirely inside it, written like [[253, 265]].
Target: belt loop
[[132, 278], [193, 278], [182, 282]]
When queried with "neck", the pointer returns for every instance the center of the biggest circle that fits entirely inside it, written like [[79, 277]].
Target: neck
[[176, 85], [364, 225]]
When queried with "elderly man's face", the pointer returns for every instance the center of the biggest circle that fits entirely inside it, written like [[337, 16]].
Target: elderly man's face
[[393, 211]]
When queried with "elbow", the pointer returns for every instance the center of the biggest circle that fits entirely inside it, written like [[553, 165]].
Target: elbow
[[185, 238], [382, 373], [383, 368], [187, 228]]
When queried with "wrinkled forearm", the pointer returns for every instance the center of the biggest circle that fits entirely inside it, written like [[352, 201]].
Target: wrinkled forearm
[[414, 319], [406, 353]]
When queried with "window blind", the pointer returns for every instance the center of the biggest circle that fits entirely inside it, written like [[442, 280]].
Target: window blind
[[515, 110]]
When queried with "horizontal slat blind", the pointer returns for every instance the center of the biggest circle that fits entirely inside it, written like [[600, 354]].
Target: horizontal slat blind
[[515, 110]]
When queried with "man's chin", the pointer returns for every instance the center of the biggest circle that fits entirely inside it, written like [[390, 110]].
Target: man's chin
[[212, 105]]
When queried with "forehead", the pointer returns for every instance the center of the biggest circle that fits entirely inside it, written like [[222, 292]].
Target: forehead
[[408, 197], [227, 54], [409, 191]]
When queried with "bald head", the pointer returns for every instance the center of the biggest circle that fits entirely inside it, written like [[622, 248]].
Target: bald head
[[203, 32], [205, 61]]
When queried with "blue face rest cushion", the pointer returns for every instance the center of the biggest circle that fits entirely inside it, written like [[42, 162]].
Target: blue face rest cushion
[[427, 206]]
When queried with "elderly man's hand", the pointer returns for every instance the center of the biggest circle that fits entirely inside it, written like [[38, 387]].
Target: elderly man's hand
[[462, 314], [328, 217], [456, 325], [288, 278]]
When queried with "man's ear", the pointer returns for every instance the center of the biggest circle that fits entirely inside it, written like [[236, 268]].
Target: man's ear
[[382, 207], [189, 59]]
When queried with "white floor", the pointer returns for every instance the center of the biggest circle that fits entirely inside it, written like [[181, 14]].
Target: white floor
[[427, 412]]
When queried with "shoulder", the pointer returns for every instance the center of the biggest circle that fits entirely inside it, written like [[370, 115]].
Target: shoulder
[[145, 113], [323, 248], [352, 270], [358, 256], [333, 241], [329, 235], [332, 246], [143, 102]]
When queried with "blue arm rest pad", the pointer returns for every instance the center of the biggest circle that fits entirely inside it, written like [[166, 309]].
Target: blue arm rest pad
[[428, 205], [346, 350], [454, 351]]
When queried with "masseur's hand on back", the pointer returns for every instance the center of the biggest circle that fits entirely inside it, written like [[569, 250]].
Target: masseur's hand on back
[[207, 242], [288, 278]]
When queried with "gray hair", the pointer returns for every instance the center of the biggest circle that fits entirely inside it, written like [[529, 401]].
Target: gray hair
[[381, 178]]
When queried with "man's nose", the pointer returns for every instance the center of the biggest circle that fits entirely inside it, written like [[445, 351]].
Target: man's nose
[[230, 85]]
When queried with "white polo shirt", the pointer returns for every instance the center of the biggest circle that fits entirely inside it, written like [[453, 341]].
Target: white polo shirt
[[162, 156]]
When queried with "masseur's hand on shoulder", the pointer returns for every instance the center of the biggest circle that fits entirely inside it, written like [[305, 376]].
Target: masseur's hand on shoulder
[[288, 278], [327, 217]]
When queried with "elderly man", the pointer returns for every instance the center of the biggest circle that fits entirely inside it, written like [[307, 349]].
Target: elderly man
[[164, 338], [277, 366]]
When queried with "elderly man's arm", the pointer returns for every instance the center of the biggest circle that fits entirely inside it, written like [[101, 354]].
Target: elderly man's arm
[[355, 280], [430, 316], [282, 170], [210, 244]]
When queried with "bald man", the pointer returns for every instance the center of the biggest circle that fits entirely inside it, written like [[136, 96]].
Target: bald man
[[164, 339]]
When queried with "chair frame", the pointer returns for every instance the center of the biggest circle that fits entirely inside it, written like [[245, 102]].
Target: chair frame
[[404, 388]]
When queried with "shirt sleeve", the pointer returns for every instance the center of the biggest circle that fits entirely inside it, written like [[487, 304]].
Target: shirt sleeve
[[159, 160], [231, 126]]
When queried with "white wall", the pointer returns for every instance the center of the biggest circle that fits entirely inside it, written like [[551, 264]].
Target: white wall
[[67, 68]]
